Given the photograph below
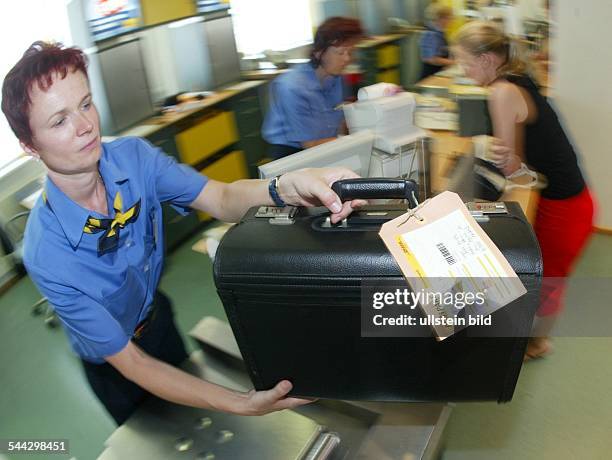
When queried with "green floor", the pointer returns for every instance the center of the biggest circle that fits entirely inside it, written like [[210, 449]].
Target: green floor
[[562, 407]]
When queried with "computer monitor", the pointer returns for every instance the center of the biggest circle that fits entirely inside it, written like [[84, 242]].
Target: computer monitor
[[352, 152]]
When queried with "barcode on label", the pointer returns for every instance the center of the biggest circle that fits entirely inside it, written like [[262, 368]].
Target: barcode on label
[[446, 253]]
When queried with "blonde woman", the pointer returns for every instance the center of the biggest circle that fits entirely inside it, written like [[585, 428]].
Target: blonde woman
[[530, 132]]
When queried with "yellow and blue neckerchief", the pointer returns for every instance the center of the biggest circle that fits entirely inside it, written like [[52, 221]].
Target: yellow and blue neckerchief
[[109, 240]]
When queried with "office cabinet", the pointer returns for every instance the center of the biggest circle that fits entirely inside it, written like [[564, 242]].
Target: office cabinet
[[389, 76], [381, 60], [223, 141], [228, 168], [388, 56], [206, 135], [249, 119]]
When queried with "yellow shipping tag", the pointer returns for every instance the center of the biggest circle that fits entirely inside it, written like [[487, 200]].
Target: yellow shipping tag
[[440, 249]]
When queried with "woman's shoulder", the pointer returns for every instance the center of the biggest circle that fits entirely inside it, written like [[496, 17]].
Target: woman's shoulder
[[299, 77], [512, 99], [504, 90]]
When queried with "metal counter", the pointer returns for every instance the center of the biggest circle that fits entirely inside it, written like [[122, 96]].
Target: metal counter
[[380, 431]]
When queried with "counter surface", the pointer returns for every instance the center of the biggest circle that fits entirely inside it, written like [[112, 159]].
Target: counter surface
[[155, 124]]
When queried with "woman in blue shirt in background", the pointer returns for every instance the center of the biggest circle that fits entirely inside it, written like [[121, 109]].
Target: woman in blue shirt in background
[[433, 45], [304, 102]]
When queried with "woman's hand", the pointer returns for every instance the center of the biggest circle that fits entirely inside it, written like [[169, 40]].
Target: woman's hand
[[503, 156], [312, 187]]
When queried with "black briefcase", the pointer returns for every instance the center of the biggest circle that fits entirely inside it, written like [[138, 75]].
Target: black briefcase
[[291, 286]]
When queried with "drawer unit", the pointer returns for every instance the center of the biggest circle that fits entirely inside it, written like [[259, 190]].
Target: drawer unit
[[388, 56], [381, 62], [249, 118], [389, 76], [206, 136]]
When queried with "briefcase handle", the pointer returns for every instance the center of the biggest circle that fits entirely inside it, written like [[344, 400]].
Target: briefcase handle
[[377, 188]]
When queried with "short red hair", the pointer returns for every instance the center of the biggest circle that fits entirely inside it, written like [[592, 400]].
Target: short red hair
[[335, 31], [38, 65]]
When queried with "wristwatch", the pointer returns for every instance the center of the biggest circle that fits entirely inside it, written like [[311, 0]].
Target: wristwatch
[[273, 190]]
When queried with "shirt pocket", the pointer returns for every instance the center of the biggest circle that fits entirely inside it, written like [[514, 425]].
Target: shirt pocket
[[126, 303]]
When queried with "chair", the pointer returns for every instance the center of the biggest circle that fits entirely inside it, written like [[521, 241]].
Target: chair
[[11, 239]]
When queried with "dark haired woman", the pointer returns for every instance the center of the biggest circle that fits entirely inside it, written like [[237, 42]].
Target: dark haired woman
[[304, 102]]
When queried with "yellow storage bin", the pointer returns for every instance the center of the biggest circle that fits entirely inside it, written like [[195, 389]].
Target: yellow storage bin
[[389, 76], [206, 137], [388, 56], [229, 168]]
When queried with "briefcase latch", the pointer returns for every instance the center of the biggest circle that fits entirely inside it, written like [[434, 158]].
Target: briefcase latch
[[328, 224], [277, 215], [481, 212]]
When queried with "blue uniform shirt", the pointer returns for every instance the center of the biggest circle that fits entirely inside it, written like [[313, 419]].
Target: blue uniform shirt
[[302, 109], [101, 297], [433, 43]]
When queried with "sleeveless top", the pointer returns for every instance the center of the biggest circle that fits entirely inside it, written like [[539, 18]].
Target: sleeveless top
[[547, 147]]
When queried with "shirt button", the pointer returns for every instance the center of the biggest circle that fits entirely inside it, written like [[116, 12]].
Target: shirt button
[[146, 267], [129, 243]]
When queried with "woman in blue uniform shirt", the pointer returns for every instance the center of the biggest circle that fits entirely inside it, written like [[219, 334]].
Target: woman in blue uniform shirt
[[304, 103], [433, 45], [94, 241]]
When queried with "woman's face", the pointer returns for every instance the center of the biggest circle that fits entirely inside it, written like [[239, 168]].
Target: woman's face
[[473, 66], [65, 125], [444, 22], [335, 58]]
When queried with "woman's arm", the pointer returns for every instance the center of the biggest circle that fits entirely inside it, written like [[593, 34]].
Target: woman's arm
[[509, 110], [305, 187], [314, 143], [439, 61], [175, 385]]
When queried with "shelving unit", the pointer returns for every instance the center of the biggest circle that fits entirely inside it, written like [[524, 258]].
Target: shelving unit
[[220, 138]]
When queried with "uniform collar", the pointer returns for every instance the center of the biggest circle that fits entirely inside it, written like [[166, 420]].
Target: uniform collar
[[314, 81], [434, 27], [72, 216]]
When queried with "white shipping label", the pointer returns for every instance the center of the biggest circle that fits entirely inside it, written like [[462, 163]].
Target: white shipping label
[[449, 249]]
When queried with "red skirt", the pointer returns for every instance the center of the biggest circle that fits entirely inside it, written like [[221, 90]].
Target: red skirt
[[563, 228]]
